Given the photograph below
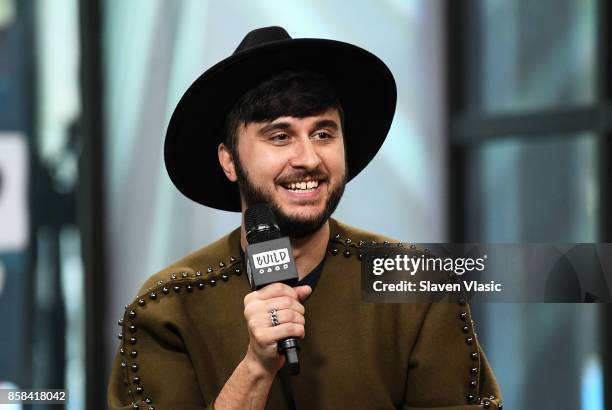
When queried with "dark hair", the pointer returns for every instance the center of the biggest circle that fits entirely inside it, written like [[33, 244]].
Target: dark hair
[[297, 94]]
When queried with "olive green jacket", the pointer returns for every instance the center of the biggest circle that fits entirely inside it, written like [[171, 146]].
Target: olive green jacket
[[185, 333]]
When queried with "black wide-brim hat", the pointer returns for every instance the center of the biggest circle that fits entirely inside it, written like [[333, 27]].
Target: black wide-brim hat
[[363, 84]]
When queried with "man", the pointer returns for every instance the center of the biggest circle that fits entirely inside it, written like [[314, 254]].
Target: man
[[290, 121]]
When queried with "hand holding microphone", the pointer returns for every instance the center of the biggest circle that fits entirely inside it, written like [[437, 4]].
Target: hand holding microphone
[[263, 334], [273, 311]]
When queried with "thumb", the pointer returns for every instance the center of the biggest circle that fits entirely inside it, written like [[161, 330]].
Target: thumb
[[303, 291]]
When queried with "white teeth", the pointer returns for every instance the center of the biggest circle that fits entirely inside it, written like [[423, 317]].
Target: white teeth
[[303, 185]]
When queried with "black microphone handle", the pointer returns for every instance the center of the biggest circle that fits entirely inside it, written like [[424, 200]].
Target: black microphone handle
[[290, 348], [262, 232]]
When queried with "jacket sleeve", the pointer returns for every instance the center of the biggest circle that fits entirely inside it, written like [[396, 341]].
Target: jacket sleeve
[[152, 369], [448, 369]]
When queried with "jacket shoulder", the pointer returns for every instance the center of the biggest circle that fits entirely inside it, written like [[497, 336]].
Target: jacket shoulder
[[345, 238], [172, 313], [341, 232], [210, 262]]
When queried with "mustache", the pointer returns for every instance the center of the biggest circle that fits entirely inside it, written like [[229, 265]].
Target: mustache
[[300, 175]]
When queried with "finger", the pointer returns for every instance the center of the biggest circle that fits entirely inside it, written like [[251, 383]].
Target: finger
[[303, 291], [275, 290], [273, 334], [288, 316], [283, 316], [284, 302], [257, 307]]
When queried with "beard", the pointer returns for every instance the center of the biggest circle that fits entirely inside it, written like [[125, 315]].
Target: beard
[[292, 226]]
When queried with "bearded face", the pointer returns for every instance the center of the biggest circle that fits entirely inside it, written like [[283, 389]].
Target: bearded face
[[295, 165]]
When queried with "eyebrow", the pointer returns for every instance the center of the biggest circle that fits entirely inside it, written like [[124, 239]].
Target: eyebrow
[[331, 124], [285, 126], [280, 126]]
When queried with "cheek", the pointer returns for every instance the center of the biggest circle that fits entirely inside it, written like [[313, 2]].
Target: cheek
[[336, 163], [272, 163], [264, 165]]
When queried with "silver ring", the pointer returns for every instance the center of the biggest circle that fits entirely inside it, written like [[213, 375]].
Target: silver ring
[[274, 317]]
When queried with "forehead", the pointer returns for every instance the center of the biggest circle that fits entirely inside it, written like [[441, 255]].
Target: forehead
[[330, 118]]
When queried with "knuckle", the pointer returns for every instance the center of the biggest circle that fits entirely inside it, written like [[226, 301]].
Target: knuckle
[[248, 311], [247, 301], [277, 287], [250, 296], [255, 307], [257, 334]]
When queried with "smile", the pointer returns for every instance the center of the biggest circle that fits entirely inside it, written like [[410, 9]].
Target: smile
[[302, 186]]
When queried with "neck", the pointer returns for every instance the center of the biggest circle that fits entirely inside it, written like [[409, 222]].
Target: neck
[[308, 251]]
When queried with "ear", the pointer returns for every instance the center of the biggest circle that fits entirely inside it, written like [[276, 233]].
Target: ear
[[227, 162]]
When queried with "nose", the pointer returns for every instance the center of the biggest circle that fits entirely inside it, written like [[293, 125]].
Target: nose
[[305, 155]]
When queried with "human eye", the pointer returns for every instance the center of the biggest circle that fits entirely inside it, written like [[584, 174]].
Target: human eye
[[279, 138], [322, 135]]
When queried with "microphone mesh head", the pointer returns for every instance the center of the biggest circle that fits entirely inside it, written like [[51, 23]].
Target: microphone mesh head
[[260, 224]]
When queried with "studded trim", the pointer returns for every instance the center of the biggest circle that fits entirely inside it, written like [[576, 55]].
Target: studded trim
[[179, 282], [467, 327], [487, 402], [341, 244]]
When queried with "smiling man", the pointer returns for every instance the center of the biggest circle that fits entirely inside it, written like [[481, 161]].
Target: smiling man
[[290, 122]]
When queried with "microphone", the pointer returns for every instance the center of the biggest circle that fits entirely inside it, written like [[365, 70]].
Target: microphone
[[270, 260]]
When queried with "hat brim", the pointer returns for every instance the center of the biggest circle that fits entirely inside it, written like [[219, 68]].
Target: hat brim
[[362, 82]]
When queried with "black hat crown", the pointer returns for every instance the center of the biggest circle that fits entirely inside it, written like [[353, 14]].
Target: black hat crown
[[261, 36]]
